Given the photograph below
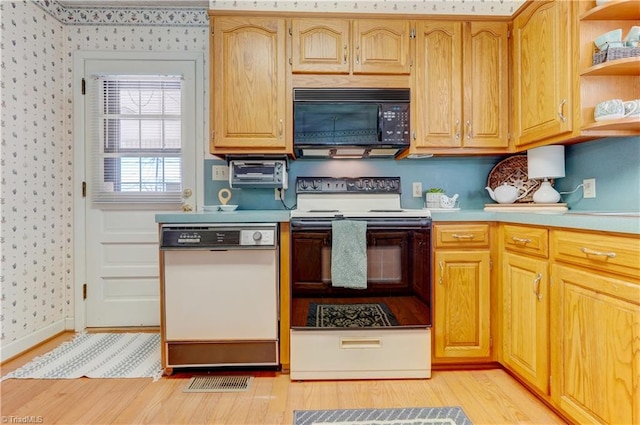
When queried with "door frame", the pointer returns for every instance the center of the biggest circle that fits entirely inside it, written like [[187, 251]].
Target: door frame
[[79, 260]]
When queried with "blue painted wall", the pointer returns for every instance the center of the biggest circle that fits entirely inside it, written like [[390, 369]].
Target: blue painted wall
[[613, 162]]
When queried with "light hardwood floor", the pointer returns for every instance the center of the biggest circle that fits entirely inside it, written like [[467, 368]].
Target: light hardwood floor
[[487, 397]]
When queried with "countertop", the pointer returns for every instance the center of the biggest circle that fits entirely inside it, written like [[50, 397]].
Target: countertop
[[606, 222]]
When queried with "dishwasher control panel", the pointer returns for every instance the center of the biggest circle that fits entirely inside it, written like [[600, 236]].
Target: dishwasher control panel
[[219, 236]]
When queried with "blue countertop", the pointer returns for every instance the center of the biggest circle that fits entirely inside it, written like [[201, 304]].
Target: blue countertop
[[571, 219]]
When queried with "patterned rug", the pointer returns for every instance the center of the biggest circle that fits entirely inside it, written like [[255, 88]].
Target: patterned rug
[[403, 416], [98, 355], [350, 315]]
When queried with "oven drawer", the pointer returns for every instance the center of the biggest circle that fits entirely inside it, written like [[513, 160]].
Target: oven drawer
[[461, 235], [360, 354]]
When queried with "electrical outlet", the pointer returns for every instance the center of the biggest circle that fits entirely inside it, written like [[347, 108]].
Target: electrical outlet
[[279, 195], [219, 172], [417, 189], [589, 188]]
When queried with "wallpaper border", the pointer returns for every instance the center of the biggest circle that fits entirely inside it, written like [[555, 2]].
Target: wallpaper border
[[119, 16]]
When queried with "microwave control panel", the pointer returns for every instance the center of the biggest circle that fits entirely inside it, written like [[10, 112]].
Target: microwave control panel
[[394, 122]]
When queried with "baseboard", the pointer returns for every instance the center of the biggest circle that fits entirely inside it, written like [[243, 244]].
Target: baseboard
[[69, 324], [19, 346]]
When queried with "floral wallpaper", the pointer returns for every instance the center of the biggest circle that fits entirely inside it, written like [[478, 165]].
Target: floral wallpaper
[[34, 179], [420, 7], [36, 147]]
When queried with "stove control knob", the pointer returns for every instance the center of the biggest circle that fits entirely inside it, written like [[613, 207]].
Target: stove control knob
[[257, 236]]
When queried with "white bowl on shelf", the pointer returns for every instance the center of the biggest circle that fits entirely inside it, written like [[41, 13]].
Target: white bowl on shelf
[[228, 208], [210, 208]]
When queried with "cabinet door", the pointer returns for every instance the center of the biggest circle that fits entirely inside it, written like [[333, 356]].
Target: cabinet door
[[248, 97], [486, 100], [595, 355], [320, 45], [438, 95], [525, 325], [462, 310], [381, 46], [542, 72]]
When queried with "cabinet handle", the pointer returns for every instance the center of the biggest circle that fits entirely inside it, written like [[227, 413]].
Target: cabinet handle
[[520, 240], [457, 129], [345, 53], [467, 237], [280, 129], [588, 251], [415, 136], [561, 111], [441, 264], [469, 129], [536, 286], [358, 54]]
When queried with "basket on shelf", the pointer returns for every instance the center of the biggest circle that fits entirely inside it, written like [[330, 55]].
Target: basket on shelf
[[613, 53]]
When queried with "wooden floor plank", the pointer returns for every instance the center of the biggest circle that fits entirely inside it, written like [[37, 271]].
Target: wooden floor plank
[[487, 397]]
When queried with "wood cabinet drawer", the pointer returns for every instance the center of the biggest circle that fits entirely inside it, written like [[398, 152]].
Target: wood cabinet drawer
[[461, 235], [613, 254], [526, 240]]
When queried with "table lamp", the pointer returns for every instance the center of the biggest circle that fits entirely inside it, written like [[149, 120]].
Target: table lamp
[[546, 162]]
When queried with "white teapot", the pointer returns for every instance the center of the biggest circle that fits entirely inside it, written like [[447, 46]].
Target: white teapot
[[504, 194]]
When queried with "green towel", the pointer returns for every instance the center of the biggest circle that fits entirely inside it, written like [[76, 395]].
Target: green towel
[[349, 254]]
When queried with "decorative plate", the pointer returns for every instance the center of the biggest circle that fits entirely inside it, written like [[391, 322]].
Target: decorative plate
[[513, 171]]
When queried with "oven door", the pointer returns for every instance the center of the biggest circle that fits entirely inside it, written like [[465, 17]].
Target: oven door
[[398, 270]]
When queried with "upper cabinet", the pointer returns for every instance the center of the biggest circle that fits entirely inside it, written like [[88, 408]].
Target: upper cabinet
[[544, 95], [345, 46], [249, 86], [460, 96], [612, 79]]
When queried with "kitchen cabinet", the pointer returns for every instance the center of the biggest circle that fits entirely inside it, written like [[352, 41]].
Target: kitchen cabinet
[[525, 303], [250, 100], [461, 90], [615, 79], [545, 96], [345, 46], [461, 288], [595, 326]]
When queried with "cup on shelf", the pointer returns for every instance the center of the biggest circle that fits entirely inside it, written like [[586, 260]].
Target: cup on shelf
[[615, 109], [632, 108]]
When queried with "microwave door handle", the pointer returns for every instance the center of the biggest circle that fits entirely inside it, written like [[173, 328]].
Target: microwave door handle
[[380, 123]]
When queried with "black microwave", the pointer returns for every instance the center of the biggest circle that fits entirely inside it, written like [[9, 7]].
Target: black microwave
[[350, 122]]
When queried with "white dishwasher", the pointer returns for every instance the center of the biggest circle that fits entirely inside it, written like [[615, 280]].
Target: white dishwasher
[[219, 295]]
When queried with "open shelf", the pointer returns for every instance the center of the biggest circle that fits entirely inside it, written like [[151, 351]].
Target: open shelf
[[626, 66], [614, 10], [624, 126]]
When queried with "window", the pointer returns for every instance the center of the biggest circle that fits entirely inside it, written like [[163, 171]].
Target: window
[[137, 139]]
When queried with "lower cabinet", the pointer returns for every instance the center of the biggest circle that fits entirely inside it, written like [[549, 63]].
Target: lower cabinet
[[525, 303], [595, 326], [525, 318], [461, 287], [596, 353]]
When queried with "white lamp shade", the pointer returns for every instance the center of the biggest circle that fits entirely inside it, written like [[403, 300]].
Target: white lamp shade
[[546, 162]]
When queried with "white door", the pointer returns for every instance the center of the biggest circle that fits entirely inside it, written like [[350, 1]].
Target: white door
[[139, 156]]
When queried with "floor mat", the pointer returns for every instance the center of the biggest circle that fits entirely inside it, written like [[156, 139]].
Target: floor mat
[[401, 416], [98, 355], [365, 315]]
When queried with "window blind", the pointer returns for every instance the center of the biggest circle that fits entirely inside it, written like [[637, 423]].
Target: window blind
[[135, 139]]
